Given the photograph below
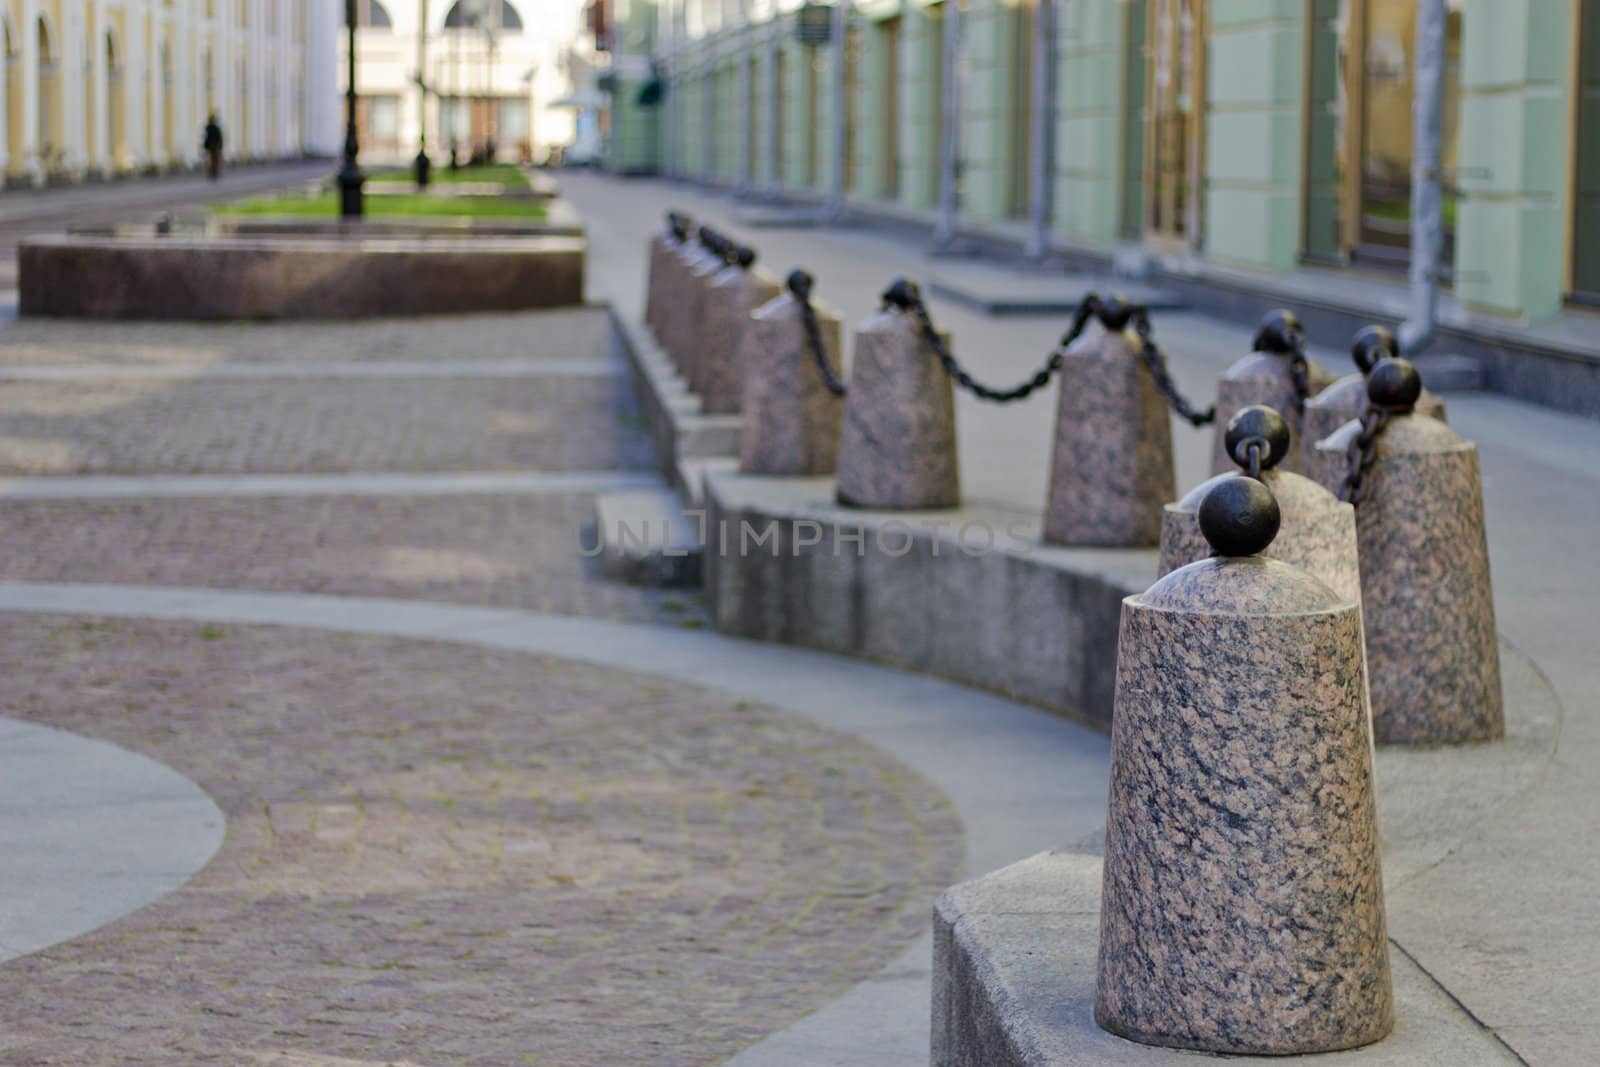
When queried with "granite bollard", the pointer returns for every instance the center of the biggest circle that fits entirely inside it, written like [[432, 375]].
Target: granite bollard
[[1242, 905], [692, 329], [897, 448], [1268, 376], [791, 416], [1318, 532], [1111, 468], [676, 297], [1425, 584], [1345, 398], [662, 261], [731, 295]]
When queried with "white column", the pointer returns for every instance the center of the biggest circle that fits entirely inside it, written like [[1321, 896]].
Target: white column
[[97, 139], [134, 45], [323, 125], [70, 91], [30, 87]]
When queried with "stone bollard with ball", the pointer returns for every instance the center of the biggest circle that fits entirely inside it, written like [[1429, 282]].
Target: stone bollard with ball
[[1425, 586], [1318, 532], [1278, 374], [1346, 398], [731, 295], [678, 295], [897, 448], [664, 246], [1242, 904], [792, 390], [1111, 467]]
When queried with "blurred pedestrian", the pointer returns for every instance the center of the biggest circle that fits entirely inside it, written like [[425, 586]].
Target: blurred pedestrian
[[212, 143]]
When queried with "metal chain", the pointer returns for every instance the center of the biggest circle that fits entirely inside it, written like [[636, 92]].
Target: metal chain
[[1362, 453], [799, 285], [1156, 363], [907, 297], [1299, 371], [1254, 450]]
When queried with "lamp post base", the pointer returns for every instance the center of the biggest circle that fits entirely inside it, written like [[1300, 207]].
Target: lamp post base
[[350, 181], [422, 169]]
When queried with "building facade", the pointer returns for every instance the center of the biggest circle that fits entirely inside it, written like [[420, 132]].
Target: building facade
[[495, 77], [105, 87], [1261, 134]]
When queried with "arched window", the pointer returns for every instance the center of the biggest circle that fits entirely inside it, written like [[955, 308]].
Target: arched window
[[373, 15], [466, 14]]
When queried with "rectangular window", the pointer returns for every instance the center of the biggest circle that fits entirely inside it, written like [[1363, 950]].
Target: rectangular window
[[513, 124], [385, 112]]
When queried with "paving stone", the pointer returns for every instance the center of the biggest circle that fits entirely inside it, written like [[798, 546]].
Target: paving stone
[[139, 426], [446, 855]]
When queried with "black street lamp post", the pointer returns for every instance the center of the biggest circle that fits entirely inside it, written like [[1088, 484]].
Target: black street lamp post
[[422, 166], [350, 177]]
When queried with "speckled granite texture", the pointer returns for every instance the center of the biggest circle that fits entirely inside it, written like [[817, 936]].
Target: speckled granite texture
[[1338, 404], [1111, 470], [1425, 584], [898, 445], [791, 423], [692, 316], [1243, 901], [1318, 534], [659, 263], [732, 295], [1261, 378], [678, 308]]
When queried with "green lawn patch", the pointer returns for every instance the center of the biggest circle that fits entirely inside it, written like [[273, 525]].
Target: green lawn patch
[[326, 205], [506, 174]]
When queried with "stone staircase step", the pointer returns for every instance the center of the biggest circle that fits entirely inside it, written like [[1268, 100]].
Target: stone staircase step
[[645, 539]]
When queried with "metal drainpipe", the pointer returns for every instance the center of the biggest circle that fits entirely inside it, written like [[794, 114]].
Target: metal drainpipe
[[1427, 194], [747, 106], [1042, 162], [841, 109], [949, 140], [774, 103]]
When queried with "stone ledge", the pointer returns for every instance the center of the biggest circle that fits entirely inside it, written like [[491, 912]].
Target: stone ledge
[[671, 412], [1024, 619], [1014, 982], [179, 277]]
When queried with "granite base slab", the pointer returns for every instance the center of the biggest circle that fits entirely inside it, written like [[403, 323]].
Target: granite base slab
[[1015, 951], [1014, 983], [282, 277]]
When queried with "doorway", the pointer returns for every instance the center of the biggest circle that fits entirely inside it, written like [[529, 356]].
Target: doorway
[[1379, 69], [1174, 120], [1585, 285]]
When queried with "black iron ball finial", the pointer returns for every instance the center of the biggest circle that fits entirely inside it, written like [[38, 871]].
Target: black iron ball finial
[[1394, 385], [1257, 423], [1239, 517], [1280, 332], [744, 256], [1114, 312], [903, 294], [1371, 345], [800, 283]]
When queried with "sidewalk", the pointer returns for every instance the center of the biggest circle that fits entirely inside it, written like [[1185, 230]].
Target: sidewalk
[[1514, 923], [495, 806]]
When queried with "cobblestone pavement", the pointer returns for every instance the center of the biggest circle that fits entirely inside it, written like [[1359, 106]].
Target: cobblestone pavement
[[148, 426], [510, 551], [446, 855], [536, 336]]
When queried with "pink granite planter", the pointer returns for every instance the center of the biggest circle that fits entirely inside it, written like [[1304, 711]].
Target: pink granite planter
[[183, 277]]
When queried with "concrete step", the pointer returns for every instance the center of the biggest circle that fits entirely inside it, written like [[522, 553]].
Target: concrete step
[[690, 475], [645, 539]]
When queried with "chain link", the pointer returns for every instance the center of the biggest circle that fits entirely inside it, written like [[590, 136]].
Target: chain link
[[907, 297], [1156, 363], [799, 285], [1299, 371], [1362, 453]]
